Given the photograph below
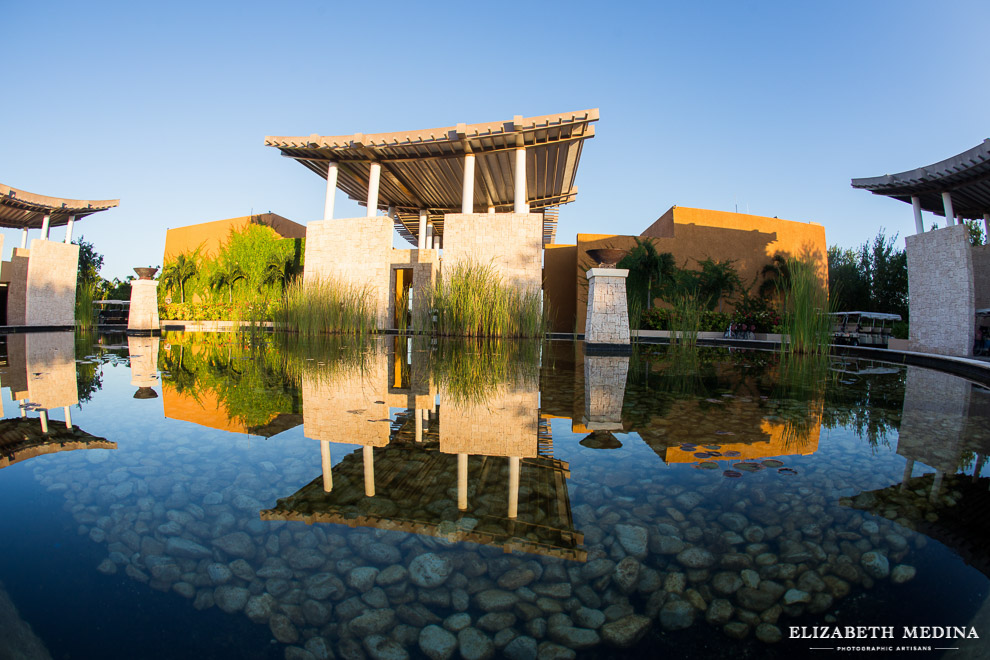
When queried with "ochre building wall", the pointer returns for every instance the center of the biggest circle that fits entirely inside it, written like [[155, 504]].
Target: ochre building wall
[[560, 286], [209, 236]]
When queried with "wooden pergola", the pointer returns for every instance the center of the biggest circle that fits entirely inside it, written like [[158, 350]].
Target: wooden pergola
[[467, 168], [23, 210]]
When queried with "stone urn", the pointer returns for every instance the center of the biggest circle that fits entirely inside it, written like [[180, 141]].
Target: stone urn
[[146, 273], [607, 257]]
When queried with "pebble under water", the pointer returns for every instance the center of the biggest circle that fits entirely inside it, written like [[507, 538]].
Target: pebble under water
[[246, 496]]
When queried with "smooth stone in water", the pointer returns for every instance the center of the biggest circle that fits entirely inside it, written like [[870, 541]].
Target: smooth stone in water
[[574, 638], [283, 629], [380, 647], [429, 570], [230, 599], [902, 573], [696, 558], [219, 573], [437, 643], [237, 544], [259, 608], [795, 596], [676, 615], [875, 564], [475, 645], [374, 622], [495, 600], [625, 632], [521, 648], [626, 574], [768, 633], [633, 539]]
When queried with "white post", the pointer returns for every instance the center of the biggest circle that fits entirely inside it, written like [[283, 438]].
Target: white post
[[44, 421], [947, 205], [986, 226], [331, 190], [24, 237], [918, 224], [423, 218], [467, 192], [519, 191], [429, 235], [513, 486], [20, 404], [419, 426], [45, 223], [68, 418], [436, 241], [426, 419], [462, 474], [369, 471], [68, 229], [491, 209], [373, 180], [327, 467]]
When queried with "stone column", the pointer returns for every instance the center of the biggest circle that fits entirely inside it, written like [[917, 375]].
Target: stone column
[[368, 454], [68, 417], [423, 220], [513, 486], [24, 238], [45, 226], [918, 224], [519, 190], [467, 191], [143, 354], [374, 179], [608, 317], [986, 226], [462, 481], [143, 316], [947, 206], [331, 190], [43, 416], [327, 474], [604, 389], [68, 228]]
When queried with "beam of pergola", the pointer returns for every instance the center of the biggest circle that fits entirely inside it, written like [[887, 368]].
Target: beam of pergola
[[20, 209]]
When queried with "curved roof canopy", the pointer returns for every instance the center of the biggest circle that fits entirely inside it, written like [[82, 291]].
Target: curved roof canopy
[[966, 176], [424, 169], [20, 209]]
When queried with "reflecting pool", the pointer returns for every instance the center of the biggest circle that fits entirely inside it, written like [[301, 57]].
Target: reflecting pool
[[262, 497]]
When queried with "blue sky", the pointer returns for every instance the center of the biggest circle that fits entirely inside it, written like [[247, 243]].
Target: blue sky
[[771, 106]]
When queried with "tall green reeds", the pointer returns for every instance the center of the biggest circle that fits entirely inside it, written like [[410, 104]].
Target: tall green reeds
[[471, 300], [686, 320], [323, 306], [86, 315], [806, 308]]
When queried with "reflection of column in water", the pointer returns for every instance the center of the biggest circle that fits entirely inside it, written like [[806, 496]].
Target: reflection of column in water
[[327, 474], [419, 426], [908, 469], [20, 402], [513, 486], [68, 418], [44, 420], [369, 471], [936, 485], [425, 416], [980, 459], [462, 467]]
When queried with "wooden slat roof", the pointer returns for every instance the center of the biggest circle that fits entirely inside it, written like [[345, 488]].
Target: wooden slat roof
[[966, 176], [20, 209], [423, 169]]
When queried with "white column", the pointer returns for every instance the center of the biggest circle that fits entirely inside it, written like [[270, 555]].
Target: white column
[[68, 418], [491, 209], [426, 419], [423, 220], [947, 205], [327, 467], [331, 190], [373, 180], [462, 460], [908, 471], [519, 191], [369, 471], [45, 223], [68, 229], [918, 224], [936, 486], [467, 192], [24, 237], [513, 486], [43, 415], [419, 426], [20, 405], [436, 241], [986, 226]]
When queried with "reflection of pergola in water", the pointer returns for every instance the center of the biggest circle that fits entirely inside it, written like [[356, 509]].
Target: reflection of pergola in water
[[949, 509], [409, 485], [24, 438]]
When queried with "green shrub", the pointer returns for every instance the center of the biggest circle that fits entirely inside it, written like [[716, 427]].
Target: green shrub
[[708, 320], [86, 315], [757, 313]]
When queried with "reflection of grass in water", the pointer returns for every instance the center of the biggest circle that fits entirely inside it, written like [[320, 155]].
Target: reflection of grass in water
[[806, 305], [802, 379], [470, 371], [325, 358]]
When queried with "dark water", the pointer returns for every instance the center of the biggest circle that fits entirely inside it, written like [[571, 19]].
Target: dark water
[[264, 499]]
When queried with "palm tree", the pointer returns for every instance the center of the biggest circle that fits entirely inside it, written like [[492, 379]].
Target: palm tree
[[718, 279], [277, 271], [227, 273], [180, 271], [648, 269], [776, 276]]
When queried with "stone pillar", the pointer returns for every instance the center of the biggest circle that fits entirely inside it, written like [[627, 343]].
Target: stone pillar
[[43, 416], [947, 206], [143, 316], [143, 354], [68, 417], [919, 226], [374, 179], [513, 486], [368, 454], [331, 190], [519, 190], [608, 317], [604, 389], [423, 223], [941, 291], [467, 191], [419, 425], [45, 227], [24, 238], [986, 226], [68, 228], [462, 481]]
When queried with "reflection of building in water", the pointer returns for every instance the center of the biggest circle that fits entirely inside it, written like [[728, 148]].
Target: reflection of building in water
[[474, 469], [41, 374], [604, 388], [945, 424]]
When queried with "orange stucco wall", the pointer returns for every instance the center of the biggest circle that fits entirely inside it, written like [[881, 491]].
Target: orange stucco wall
[[209, 236], [559, 262], [694, 234]]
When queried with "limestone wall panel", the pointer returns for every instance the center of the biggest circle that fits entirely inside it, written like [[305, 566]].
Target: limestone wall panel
[[511, 242]]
